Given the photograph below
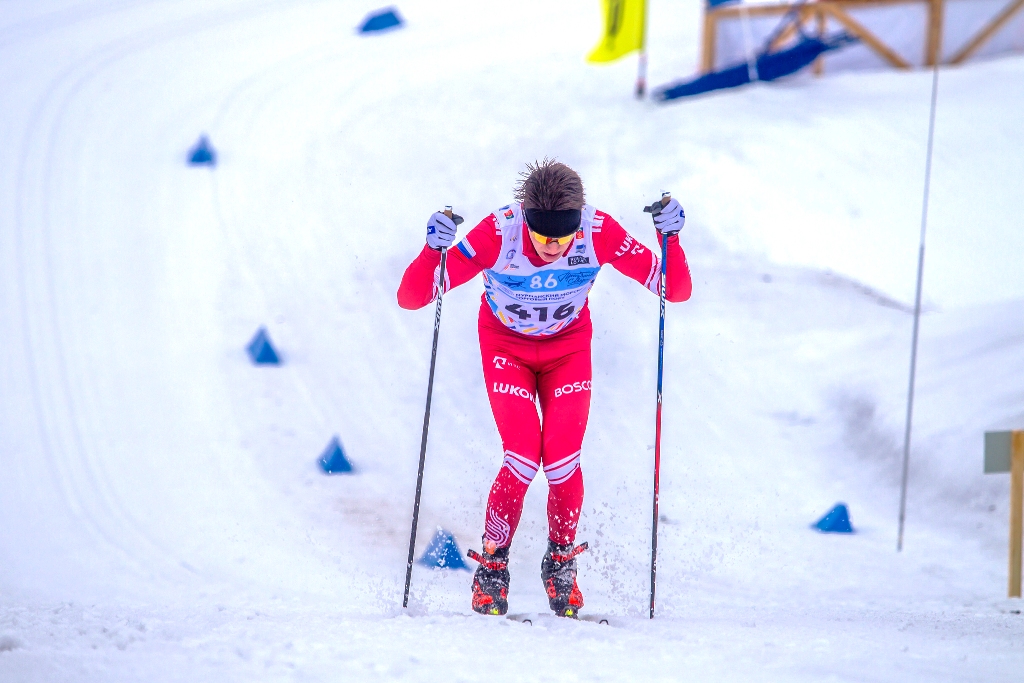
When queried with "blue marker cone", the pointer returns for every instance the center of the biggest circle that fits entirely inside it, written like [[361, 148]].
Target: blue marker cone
[[202, 154], [333, 460], [836, 521], [381, 20], [443, 552], [261, 351]]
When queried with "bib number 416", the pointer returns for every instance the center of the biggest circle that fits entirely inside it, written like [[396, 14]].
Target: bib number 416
[[560, 313]]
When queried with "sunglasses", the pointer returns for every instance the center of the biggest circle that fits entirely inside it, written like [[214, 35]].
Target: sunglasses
[[543, 240]]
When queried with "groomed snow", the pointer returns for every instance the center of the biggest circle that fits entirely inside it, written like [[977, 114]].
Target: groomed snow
[[161, 514]]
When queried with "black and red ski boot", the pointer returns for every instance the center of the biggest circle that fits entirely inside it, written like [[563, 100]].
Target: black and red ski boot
[[558, 572], [490, 582]]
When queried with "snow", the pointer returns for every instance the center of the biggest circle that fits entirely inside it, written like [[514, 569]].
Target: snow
[[163, 517]]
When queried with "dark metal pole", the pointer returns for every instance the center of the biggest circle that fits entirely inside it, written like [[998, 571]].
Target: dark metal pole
[[657, 427], [426, 425], [641, 67], [655, 209], [917, 309]]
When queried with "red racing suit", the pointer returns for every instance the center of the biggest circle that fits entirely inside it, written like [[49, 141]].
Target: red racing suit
[[535, 353]]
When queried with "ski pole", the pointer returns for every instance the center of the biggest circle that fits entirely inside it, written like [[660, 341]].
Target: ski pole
[[426, 415], [655, 209]]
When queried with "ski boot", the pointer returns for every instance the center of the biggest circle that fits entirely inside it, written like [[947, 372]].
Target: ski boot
[[558, 572], [490, 582]]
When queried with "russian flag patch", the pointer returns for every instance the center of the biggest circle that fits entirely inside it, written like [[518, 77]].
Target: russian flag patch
[[466, 248]]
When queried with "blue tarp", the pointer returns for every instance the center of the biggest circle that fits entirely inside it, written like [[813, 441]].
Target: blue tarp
[[769, 66]]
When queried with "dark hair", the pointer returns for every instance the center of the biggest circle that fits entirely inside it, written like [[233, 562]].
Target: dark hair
[[550, 185]]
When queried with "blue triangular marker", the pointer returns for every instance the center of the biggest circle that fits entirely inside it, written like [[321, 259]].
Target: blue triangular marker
[[202, 154], [333, 460], [837, 521], [381, 20], [261, 351], [443, 552]]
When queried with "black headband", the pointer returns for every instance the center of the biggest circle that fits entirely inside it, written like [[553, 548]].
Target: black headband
[[559, 223]]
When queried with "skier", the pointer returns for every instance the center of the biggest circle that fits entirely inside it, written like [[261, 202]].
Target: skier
[[539, 257]]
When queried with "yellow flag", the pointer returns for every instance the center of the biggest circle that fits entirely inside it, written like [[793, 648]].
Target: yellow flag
[[623, 30]]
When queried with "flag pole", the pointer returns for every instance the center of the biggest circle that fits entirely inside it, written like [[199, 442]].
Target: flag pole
[[641, 71]]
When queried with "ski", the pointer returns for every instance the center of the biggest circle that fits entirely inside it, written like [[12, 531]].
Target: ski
[[531, 618]]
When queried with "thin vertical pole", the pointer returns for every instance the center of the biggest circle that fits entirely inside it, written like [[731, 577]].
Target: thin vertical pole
[[917, 308], [641, 67], [641, 75], [748, 44], [426, 422], [1016, 509], [657, 425], [653, 209]]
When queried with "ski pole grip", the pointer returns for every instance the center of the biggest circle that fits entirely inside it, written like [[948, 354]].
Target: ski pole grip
[[454, 216], [655, 208]]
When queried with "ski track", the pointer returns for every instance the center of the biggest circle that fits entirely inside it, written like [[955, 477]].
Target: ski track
[[80, 475]]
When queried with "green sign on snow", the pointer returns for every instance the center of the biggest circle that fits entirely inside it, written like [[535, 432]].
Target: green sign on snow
[[997, 452]]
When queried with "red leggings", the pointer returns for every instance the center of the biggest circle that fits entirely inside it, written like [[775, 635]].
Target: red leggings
[[519, 371]]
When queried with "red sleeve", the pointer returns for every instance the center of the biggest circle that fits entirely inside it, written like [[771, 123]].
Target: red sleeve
[[631, 258], [478, 250]]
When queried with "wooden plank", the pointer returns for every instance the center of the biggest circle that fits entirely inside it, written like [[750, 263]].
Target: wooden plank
[[869, 39], [1016, 512], [932, 50], [790, 31], [766, 10], [822, 24], [783, 37], [707, 62], [734, 11], [987, 32]]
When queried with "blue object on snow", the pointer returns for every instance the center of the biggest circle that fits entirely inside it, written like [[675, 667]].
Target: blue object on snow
[[769, 66], [202, 154], [732, 77], [333, 460], [261, 351], [381, 20], [443, 552], [837, 521]]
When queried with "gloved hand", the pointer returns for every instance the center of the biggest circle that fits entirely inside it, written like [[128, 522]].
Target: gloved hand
[[441, 230], [668, 219]]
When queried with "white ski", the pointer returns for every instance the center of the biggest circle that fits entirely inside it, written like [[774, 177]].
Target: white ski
[[531, 618]]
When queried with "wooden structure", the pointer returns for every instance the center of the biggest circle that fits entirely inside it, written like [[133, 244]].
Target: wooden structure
[[1004, 452], [815, 15]]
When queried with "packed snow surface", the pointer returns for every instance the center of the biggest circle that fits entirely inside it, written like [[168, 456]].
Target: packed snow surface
[[161, 514]]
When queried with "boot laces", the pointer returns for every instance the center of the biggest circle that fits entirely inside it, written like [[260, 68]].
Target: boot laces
[[493, 565], [562, 559]]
